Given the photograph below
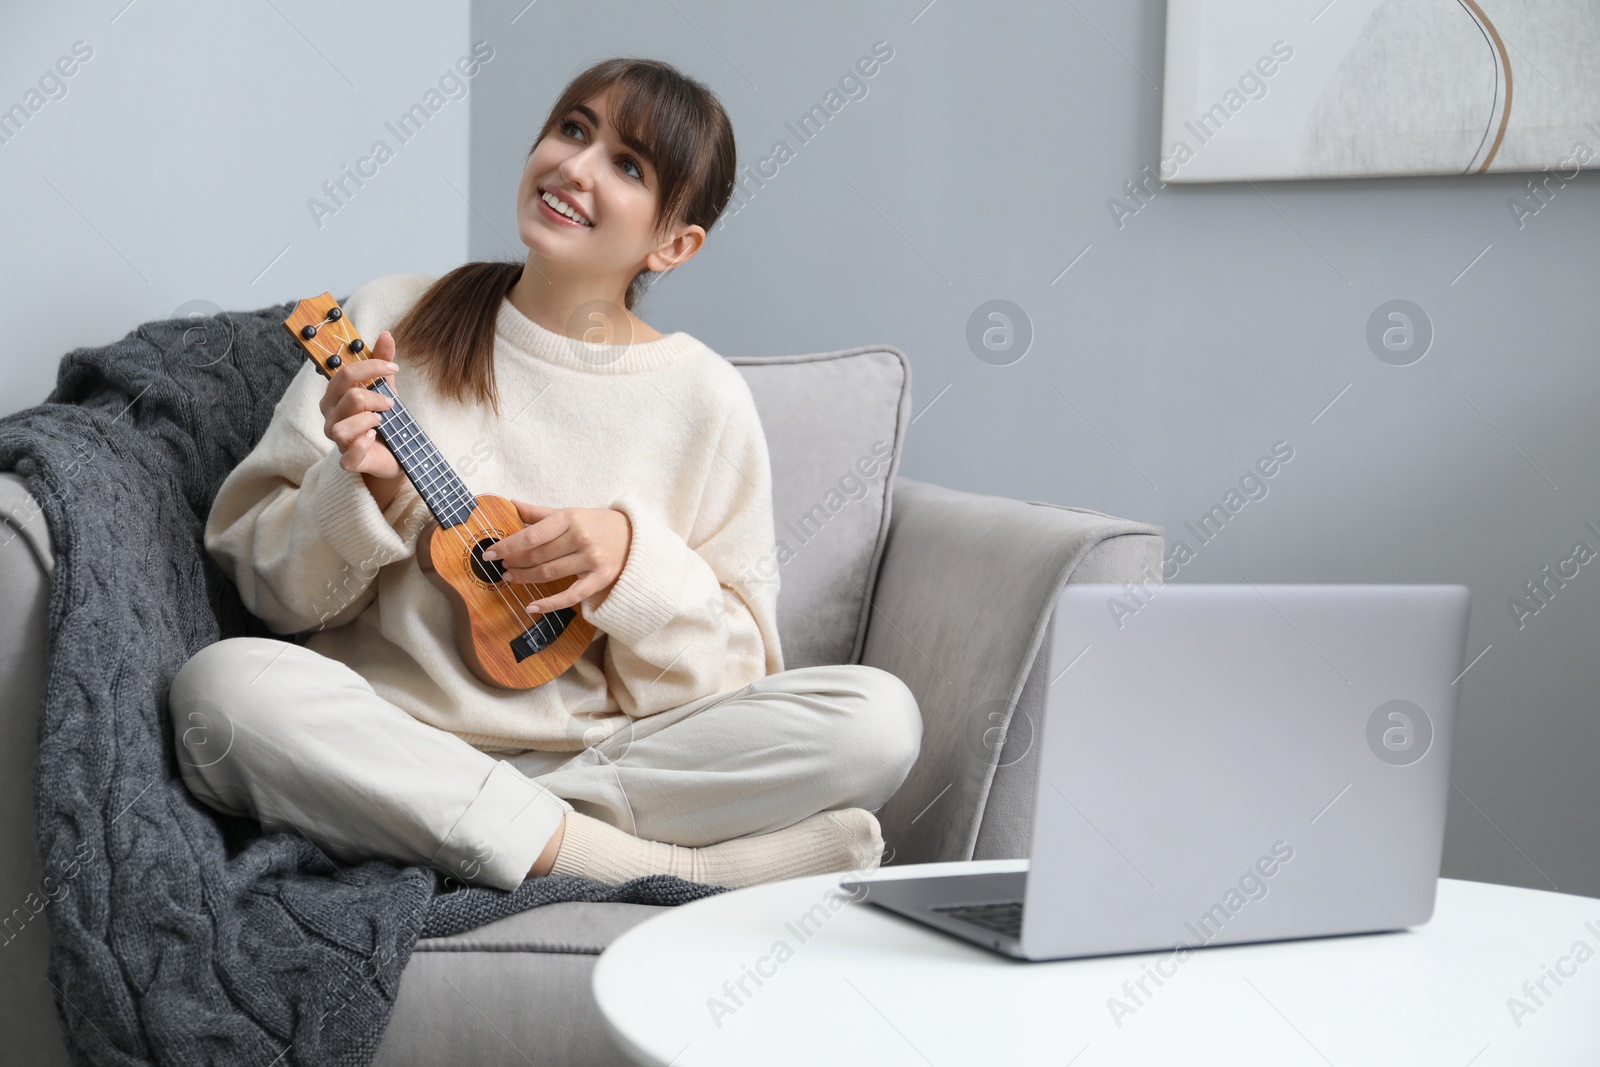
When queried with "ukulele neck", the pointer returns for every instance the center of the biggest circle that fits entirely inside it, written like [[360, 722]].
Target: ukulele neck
[[446, 495]]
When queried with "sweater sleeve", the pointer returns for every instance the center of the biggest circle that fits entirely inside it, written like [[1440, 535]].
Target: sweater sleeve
[[695, 613], [302, 538]]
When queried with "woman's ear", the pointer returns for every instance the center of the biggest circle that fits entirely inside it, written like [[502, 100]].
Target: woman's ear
[[678, 250]]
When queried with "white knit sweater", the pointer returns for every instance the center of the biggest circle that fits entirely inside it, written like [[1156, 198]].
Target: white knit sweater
[[666, 431]]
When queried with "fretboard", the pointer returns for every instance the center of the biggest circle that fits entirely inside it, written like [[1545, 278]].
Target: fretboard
[[446, 495]]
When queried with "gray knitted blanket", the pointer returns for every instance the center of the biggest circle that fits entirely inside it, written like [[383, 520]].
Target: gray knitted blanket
[[189, 937]]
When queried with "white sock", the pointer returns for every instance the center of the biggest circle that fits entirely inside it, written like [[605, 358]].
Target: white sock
[[844, 840]]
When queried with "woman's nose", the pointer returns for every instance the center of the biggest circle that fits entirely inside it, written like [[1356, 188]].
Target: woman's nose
[[577, 168]]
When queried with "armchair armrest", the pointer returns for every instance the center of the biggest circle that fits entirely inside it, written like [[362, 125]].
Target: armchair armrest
[[27, 563], [962, 606]]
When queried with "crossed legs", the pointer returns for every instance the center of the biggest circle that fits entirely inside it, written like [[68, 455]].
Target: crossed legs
[[299, 741]]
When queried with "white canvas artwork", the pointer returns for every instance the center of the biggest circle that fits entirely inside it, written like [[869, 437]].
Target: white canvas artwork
[[1258, 89]]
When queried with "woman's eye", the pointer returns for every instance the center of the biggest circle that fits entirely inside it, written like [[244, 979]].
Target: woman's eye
[[625, 161]]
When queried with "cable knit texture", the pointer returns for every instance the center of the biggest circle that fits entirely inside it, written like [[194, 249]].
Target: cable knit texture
[[665, 431], [179, 936]]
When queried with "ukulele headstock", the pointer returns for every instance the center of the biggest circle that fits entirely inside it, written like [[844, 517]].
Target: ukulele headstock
[[326, 334]]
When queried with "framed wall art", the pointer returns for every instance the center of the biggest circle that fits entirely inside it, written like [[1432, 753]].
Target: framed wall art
[[1269, 89]]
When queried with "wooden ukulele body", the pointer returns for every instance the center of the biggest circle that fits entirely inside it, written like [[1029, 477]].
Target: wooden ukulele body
[[490, 612]]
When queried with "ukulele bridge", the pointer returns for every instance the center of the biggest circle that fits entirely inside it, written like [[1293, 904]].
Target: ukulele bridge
[[542, 634]]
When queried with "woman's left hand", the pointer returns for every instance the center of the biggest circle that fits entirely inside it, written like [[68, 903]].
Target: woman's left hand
[[589, 542]]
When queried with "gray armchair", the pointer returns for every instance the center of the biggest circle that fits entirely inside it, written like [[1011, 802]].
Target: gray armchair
[[951, 591]]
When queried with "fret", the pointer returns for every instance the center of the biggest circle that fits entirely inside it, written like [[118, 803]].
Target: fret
[[436, 476], [446, 495], [433, 481]]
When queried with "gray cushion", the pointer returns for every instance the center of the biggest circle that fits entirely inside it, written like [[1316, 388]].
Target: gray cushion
[[834, 423], [514, 991]]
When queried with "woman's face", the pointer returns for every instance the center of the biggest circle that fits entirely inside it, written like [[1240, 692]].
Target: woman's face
[[582, 162]]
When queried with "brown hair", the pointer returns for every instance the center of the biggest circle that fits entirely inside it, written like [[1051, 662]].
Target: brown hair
[[674, 121]]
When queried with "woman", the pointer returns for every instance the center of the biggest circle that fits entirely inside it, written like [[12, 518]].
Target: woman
[[677, 744]]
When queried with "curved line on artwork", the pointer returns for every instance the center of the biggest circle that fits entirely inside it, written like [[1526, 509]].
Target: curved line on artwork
[[1505, 62], [1494, 66]]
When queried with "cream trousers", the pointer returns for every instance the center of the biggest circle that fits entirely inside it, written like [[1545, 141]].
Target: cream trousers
[[308, 746]]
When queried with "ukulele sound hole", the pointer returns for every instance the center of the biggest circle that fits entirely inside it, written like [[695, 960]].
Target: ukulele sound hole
[[487, 570]]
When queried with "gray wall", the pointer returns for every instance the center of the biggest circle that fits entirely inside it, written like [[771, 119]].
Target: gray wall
[[170, 172], [1215, 322]]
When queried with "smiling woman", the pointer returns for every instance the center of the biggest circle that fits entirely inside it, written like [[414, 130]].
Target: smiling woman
[[640, 499], [646, 158]]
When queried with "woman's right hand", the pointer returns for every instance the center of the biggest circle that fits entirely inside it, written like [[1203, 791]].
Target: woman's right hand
[[350, 413]]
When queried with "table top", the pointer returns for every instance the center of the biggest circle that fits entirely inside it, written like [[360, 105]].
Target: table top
[[1499, 976]]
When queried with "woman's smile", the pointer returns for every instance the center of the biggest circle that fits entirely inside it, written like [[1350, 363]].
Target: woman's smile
[[549, 211]]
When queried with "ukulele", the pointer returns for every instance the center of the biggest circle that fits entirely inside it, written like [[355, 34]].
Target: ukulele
[[500, 641]]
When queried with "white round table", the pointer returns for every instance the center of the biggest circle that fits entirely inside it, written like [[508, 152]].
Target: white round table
[[1499, 976]]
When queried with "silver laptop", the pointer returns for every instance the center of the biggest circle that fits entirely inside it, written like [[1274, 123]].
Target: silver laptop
[[1222, 764]]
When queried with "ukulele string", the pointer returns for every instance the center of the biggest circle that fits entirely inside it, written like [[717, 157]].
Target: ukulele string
[[517, 610]]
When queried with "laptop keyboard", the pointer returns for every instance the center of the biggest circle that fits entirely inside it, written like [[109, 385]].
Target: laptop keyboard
[[1002, 918]]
